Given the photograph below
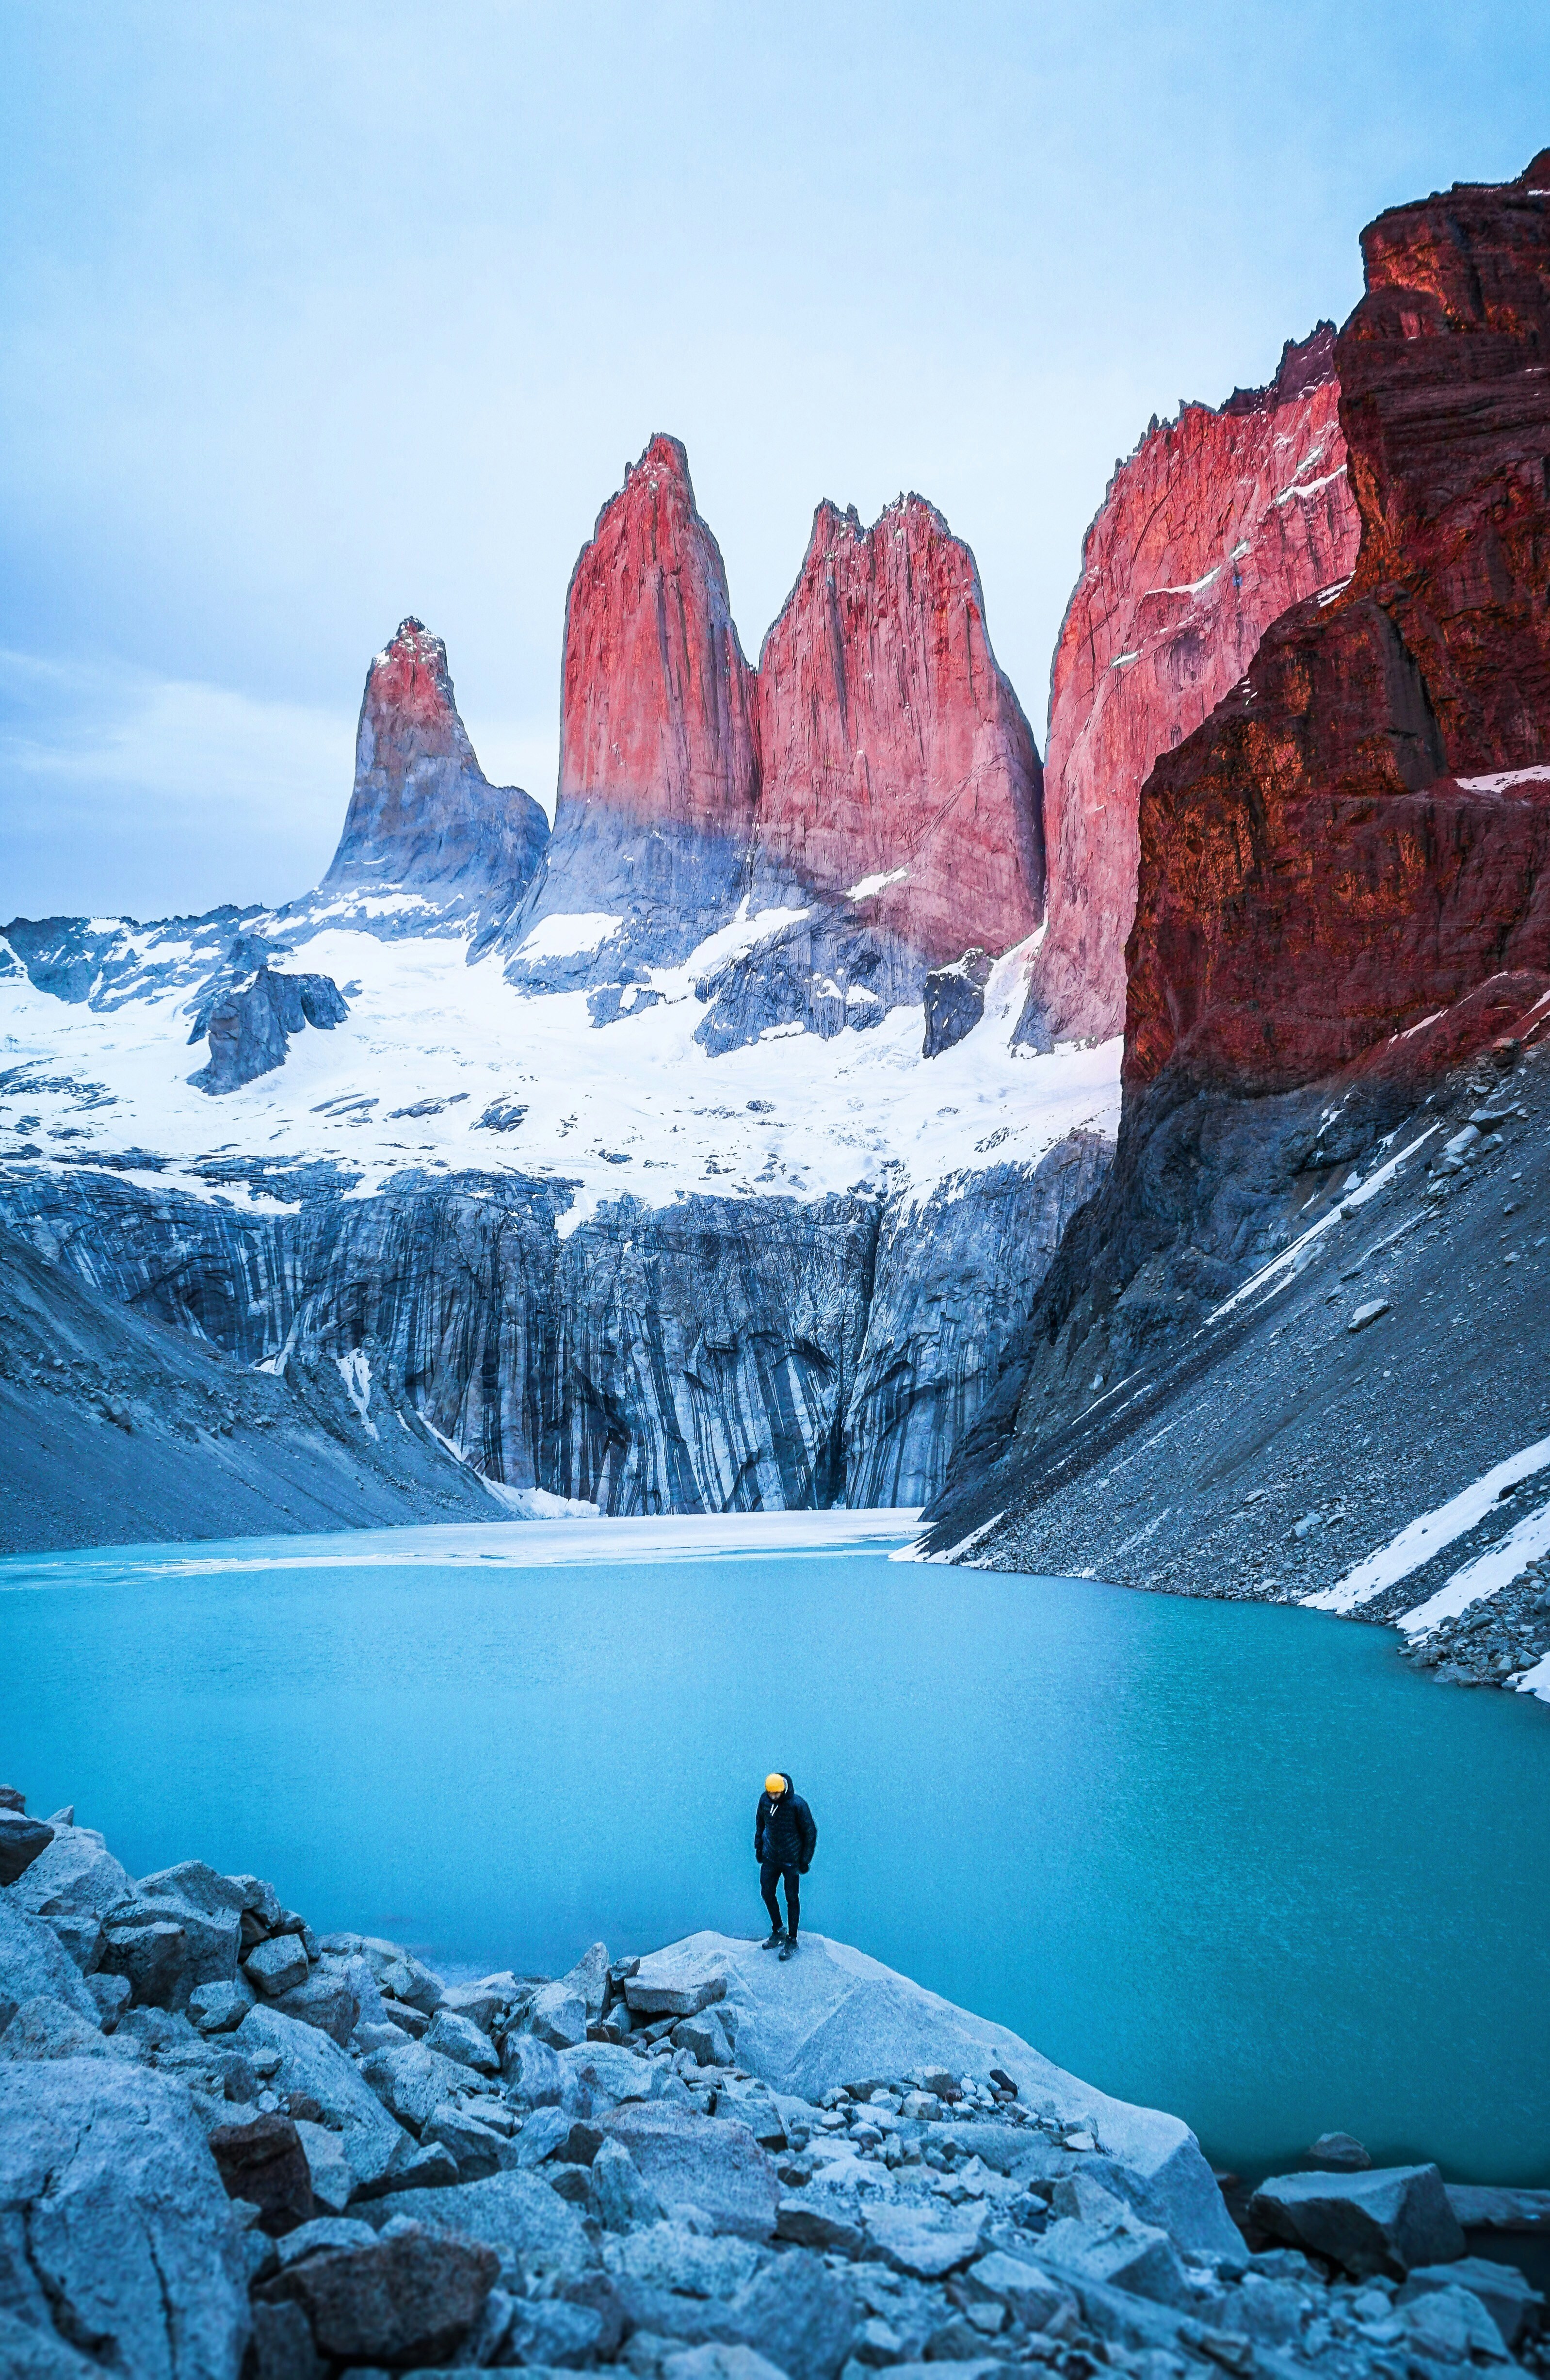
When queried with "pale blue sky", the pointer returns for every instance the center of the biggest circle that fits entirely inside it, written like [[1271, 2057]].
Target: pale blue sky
[[314, 316]]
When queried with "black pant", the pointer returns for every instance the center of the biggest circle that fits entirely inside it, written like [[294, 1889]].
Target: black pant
[[770, 1872]]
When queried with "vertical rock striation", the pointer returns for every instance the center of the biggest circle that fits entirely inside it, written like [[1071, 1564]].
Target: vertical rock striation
[[1217, 523], [422, 814]]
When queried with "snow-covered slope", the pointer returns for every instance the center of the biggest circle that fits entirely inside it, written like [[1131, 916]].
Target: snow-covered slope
[[444, 1064]]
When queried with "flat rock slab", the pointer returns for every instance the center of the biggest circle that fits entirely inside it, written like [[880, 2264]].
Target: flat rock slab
[[114, 2225], [309, 2061], [1510, 2300], [33, 1965], [718, 2167], [928, 2246], [1386, 2221], [403, 2302], [535, 2234], [832, 2013]]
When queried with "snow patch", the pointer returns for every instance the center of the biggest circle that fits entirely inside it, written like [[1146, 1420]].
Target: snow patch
[[355, 1370], [569, 937], [1485, 1576], [1502, 780], [871, 884], [1427, 1534]]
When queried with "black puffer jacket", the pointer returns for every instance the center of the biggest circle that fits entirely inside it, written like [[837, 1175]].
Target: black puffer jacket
[[784, 1831]]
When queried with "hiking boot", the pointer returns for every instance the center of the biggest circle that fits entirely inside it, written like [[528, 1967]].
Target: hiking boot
[[788, 1947], [774, 1942]]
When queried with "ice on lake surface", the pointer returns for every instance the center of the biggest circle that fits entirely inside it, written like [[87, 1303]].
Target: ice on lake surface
[[1232, 1860]]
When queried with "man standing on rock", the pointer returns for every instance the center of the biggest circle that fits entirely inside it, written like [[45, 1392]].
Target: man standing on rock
[[784, 1840]]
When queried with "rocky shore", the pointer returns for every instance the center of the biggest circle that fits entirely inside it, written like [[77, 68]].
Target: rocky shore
[[232, 2149]]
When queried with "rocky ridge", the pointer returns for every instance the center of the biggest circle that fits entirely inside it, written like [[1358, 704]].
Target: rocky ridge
[[423, 816], [1340, 934], [1219, 522], [271, 2154], [865, 806]]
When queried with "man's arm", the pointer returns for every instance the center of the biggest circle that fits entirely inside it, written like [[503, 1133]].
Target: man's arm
[[807, 1830], [758, 1827]]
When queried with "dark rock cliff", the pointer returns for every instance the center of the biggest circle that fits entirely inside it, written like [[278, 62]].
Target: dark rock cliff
[[717, 1354], [1345, 873]]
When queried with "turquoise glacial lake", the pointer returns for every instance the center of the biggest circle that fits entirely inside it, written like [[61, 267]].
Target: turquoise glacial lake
[[1232, 1860]]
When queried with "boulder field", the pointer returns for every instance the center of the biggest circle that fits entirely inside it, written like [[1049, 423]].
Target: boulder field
[[233, 2149]]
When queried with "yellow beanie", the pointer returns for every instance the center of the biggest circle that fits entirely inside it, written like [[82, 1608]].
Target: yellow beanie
[[774, 1784]]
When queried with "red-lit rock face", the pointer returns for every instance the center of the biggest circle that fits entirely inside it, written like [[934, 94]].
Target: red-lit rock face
[[1361, 837], [1218, 523], [421, 810], [656, 704], [891, 744]]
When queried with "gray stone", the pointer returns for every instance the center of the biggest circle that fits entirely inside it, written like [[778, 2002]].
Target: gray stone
[[411, 2299], [412, 2082], [309, 2061], [705, 2036], [39, 2354], [1450, 2325], [541, 2136], [111, 1994], [334, 2183], [414, 2166], [1120, 2253], [588, 1980], [47, 2028], [816, 2223], [22, 1841], [71, 1887], [532, 2070], [1512, 2302], [682, 1980], [1269, 2310], [486, 2003], [914, 2240], [539, 2238], [409, 1979], [622, 2199], [1385, 2221], [459, 2038], [800, 2314], [558, 2016], [324, 2235], [718, 2360], [607, 2073], [151, 1953], [667, 2255], [283, 2347], [1338, 2152], [32, 1963], [277, 1965], [327, 2001], [219, 2008], [114, 2225], [475, 2149], [546, 2331], [1033, 2296], [719, 2169]]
